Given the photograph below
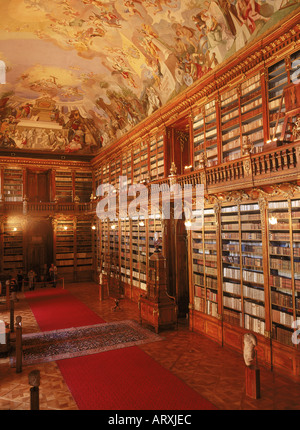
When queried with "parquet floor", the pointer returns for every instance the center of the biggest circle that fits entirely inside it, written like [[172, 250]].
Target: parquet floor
[[217, 373]]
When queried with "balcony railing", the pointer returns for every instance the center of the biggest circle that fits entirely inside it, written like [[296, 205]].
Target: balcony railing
[[46, 208], [275, 165]]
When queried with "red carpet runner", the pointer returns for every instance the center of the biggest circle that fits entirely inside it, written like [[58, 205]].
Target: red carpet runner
[[122, 379]]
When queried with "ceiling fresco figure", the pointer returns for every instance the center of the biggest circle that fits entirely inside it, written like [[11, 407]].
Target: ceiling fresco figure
[[107, 65]]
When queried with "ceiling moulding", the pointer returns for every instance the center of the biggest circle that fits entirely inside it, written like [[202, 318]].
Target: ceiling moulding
[[281, 38]]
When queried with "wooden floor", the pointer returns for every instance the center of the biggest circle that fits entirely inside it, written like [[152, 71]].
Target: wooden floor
[[217, 373]]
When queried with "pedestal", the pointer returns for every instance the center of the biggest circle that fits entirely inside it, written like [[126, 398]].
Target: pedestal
[[158, 314], [253, 382]]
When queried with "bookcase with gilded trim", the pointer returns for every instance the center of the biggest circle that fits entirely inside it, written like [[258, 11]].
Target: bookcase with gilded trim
[[125, 254], [284, 258], [13, 246], [83, 185], [204, 255], [84, 252], [12, 184], [64, 233]]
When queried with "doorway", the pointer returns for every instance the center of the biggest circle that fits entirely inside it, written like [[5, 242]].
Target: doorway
[[39, 245], [177, 257], [182, 274]]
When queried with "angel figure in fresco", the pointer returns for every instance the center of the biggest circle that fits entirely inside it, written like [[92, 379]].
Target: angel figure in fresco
[[219, 36], [186, 32], [153, 100], [131, 9], [124, 71], [248, 13], [159, 3]]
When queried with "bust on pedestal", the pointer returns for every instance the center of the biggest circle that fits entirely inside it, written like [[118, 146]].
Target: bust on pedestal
[[252, 371]]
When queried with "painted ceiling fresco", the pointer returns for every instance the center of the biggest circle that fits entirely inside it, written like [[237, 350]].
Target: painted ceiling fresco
[[82, 73]]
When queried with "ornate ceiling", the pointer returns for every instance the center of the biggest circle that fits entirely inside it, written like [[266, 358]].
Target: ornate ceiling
[[81, 73]]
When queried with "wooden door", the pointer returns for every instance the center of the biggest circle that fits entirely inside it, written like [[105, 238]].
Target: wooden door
[[38, 186], [39, 245]]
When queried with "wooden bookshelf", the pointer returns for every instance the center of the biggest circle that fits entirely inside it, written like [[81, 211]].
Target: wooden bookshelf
[[83, 185], [154, 232], [204, 254], [65, 248], [13, 184], [230, 124], [205, 135], [284, 258], [127, 166], [84, 252], [242, 267], [139, 253], [13, 247], [277, 80], [253, 279], [125, 265], [140, 162], [252, 112], [156, 157], [64, 185]]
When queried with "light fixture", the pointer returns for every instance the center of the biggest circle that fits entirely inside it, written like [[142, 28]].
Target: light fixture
[[141, 223], [15, 229], [272, 220], [188, 223], [65, 227], [93, 227], [113, 226]]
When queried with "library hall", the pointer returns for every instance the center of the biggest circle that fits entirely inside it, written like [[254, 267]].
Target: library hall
[[149, 207]]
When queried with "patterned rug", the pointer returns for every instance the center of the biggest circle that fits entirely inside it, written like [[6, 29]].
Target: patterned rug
[[74, 342]]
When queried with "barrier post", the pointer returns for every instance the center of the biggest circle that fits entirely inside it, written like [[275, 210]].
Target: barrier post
[[18, 344]]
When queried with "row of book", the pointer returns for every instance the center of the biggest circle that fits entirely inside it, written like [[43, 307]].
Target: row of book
[[254, 324], [283, 282], [283, 318], [254, 309], [279, 299]]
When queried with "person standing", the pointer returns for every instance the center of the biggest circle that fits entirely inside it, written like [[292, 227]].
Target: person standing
[[53, 274], [31, 276], [20, 280]]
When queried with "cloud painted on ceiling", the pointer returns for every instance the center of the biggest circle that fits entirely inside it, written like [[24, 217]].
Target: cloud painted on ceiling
[[81, 73]]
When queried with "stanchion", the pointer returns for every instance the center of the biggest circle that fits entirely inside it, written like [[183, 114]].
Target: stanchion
[[12, 318], [18, 344], [34, 381], [7, 296]]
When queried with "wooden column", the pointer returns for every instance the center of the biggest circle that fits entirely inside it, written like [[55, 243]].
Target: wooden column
[[217, 210], [75, 248], [25, 191], [1, 243], [24, 225], [52, 185], [54, 225], [1, 183], [265, 250], [219, 129], [265, 110]]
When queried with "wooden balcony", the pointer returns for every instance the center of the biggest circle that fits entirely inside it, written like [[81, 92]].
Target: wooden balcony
[[276, 165], [25, 208], [271, 166]]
